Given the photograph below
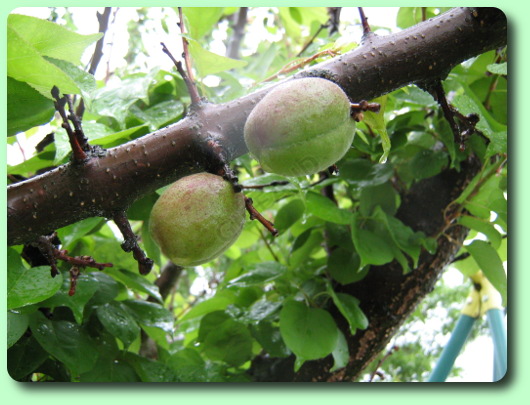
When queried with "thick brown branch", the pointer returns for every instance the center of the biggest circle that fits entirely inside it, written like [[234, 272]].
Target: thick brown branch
[[105, 184]]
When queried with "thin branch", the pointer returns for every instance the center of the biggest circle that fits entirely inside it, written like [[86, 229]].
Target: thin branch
[[234, 45], [254, 214], [364, 22], [300, 63], [130, 243], [52, 254], [79, 154], [334, 19], [78, 129], [192, 89], [322, 26], [103, 20], [262, 186]]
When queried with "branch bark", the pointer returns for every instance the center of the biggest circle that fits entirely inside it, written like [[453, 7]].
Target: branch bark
[[109, 182]]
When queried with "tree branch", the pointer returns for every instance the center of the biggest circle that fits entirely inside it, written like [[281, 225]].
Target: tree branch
[[234, 45], [113, 180]]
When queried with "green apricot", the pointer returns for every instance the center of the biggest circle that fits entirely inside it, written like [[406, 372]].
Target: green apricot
[[197, 218], [300, 127]]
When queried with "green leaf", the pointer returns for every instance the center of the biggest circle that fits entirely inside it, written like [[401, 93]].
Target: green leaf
[[270, 338], [344, 266], [341, 353], [135, 282], [26, 64], [363, 173], [372, 249], [51, 39], [66, 341], [188, 364], [224, 339], [150, 314], [17, 324], [26, 107], [201, 20], [468, 103], [118, 138], [383, 195], [110, 370], [261, 309], [84, 80], [489, 262], [377, 122], [24, 358], [490, 197], [498, 68], [87, 285], [209, 63], [288, 214], [28, 286], [404, 237], [71, 234], [349, 308], [115, 101], [259, 274], [159, 114], [119, 322], [150, 370], [304, 245], [482, 226], [428, 163], [325, 209], [219, 301], [310, 333]]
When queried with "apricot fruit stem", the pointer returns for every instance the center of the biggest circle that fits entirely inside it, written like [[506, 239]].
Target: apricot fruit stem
[[255, 214]]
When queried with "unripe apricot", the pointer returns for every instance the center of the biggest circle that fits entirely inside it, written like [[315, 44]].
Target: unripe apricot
[[300, 127], [197, 218]]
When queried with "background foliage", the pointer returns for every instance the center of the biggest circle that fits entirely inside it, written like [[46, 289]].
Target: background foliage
[[264, 296]]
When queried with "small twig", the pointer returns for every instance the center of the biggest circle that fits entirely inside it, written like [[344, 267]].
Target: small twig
[[268, 246], [78, 129], [334, 19], [380, 363], [81, 261], [52, 254], [79, 154], [364, 22], [192, 89], [467, 123], [130, 243], [448, 112], [297, 64], [322, 26], [232, 50], [186, 53], [254, 214], [103, 20], [262, 186]]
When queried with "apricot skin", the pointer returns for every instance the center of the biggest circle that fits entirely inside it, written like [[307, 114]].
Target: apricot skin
[[300, 127], [197, 218]]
